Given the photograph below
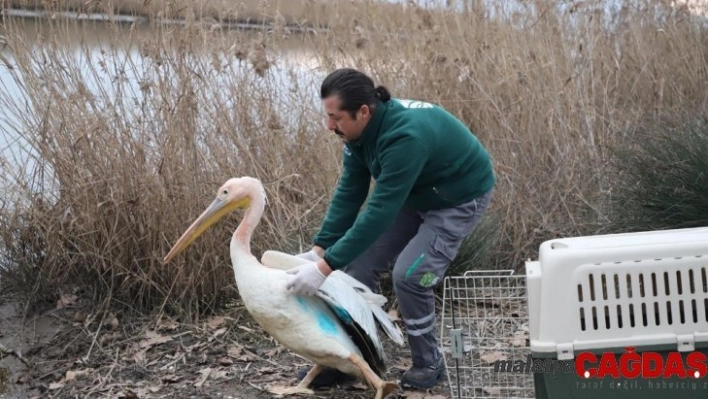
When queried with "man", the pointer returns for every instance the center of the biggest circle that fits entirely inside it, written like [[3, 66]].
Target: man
[[433, 182]]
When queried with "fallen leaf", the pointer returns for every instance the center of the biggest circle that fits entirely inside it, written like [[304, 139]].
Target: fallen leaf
[[267, 370], [274, 352], [491, 357], [225, 361], [154, 339], [108, 338], [72, 375], [220, 375], [217, 333], [139, 356], [66, 300], [130, 395], [167, 325], [235, 351], [245, 358], [56, 385], [215, 321], [205, 375], [80, 317], [190, 348], [112, 322], [403, 364], [393, 314], [495, 391]]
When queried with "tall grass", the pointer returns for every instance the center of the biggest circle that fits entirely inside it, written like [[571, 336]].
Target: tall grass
[[124, 164]]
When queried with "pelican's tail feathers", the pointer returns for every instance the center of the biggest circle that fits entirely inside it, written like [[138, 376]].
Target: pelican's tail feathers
[[389, 327]]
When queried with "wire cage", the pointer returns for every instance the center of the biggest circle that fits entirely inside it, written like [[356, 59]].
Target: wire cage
[[485, 335]]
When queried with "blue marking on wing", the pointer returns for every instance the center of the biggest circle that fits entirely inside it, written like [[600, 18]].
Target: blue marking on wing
[[326, 324], [324, 320]]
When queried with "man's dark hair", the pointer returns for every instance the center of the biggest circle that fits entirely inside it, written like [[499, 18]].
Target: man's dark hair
[[354, 88]]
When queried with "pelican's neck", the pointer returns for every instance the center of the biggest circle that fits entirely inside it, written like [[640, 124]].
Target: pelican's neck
[[250, 221]]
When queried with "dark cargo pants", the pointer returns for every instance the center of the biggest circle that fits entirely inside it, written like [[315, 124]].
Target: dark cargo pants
[[422, 244]]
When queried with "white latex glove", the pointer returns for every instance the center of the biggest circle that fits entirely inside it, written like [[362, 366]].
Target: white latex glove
[[306, 280], [310, 255]]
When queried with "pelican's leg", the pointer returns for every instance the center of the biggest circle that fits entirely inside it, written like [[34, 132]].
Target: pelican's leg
[[383, 388], [302, 387]]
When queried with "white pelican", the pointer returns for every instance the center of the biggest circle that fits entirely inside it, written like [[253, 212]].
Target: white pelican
[[336, 328]]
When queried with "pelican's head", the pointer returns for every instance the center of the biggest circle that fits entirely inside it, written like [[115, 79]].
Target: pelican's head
[[234, 194]]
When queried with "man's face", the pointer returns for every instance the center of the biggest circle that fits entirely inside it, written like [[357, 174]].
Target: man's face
[[341, 122]]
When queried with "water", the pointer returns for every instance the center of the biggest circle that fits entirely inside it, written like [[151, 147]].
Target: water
[[113, 67]]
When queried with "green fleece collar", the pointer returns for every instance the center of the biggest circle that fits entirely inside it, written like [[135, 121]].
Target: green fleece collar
[[372, 129]]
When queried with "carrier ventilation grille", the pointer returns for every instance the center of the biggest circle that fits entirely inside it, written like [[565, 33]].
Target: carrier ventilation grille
[[643, 299]]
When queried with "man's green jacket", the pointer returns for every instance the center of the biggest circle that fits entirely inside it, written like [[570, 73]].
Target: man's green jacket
[[421, 158]]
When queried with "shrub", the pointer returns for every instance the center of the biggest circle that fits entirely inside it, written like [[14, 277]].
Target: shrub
[[662, 176]]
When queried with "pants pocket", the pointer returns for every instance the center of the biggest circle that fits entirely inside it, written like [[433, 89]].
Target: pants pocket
[[443, 247]]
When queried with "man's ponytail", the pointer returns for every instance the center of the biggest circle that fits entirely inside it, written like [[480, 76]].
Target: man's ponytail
[[382, 93]]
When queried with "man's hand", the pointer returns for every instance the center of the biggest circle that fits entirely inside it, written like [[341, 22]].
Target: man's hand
[[307, 278]]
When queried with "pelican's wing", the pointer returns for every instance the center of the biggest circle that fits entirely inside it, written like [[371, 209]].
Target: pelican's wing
[[284, 261], [281, 260], [355, 314], [370, 296], [376, 302]]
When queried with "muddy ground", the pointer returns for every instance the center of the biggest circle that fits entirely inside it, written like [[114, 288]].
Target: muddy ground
[[71, 352]]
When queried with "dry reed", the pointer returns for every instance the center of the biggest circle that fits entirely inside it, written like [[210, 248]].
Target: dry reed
[[126, 163]]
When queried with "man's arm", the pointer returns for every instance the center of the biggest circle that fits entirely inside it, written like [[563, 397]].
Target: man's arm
[[349, 195], [401, 162]]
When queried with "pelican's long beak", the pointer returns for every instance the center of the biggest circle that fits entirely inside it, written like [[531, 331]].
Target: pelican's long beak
[[217, 210]]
